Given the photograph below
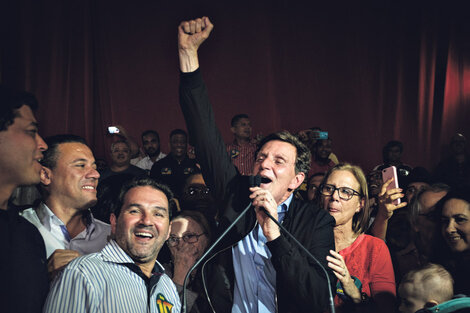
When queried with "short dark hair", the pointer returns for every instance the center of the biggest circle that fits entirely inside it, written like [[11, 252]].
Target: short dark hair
[[142, 182], [51, 154], [302, 160], [238, 117], [10, 101], [150, 132], [120, 141], [389, 145], [178, 131], [459, 194]]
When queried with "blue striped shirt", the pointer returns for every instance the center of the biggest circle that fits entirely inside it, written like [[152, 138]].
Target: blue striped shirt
[[106, 282]]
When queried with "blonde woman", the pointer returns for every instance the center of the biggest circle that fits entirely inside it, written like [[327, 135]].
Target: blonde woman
[[361, 262]]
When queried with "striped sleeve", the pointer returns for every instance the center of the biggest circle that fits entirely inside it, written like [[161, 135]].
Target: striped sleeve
[[71, 292]]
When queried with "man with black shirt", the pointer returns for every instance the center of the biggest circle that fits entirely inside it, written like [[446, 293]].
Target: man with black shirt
[[267, 271], [176, 167], [23, 269]]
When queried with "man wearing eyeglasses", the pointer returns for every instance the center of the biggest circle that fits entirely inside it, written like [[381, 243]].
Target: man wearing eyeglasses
[[268, 272]]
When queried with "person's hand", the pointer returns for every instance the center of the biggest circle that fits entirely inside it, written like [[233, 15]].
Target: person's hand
[[339, 268], [386, 199], [304, 135], [184, 256], [262, 198], [191, 34], [58, 260]]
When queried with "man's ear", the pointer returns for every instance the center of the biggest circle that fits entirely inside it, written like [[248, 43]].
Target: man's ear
[[297, 181], [431, 303], [169, 231], [232, 129], [46, 175], [113, 222]]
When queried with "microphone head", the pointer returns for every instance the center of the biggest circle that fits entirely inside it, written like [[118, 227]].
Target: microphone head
[[256, 181]]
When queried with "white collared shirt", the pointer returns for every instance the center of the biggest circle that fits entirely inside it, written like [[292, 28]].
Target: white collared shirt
[[92, 239]]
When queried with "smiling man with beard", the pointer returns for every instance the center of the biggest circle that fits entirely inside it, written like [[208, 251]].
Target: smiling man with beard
[[268, 272], [68, 184], [125, 276]]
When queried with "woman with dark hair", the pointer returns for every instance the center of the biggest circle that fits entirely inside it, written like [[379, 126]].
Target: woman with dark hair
[[454, 213], [361, 262]]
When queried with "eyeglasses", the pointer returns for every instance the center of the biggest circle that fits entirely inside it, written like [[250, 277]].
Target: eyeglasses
[[344, 193], [198, 190], [173, 241]]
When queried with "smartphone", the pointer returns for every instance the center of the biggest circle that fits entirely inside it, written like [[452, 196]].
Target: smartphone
[[113, 130], [388, 173], [317, 134]]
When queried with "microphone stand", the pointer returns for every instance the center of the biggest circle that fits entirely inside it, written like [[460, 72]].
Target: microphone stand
[[186, 278], [255, 181]]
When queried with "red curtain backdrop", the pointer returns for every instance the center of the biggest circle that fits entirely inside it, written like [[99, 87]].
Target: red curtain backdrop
[[367, 72]]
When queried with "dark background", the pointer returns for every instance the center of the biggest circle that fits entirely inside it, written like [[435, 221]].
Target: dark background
[[365, 71]]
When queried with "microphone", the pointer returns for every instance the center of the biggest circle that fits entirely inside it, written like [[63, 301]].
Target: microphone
[[256, 180], [252, 181]]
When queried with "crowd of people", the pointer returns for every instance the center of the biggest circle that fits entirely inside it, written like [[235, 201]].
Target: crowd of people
[[123, 237]]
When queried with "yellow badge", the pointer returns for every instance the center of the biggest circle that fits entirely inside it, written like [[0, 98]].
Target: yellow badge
[[163, 305]]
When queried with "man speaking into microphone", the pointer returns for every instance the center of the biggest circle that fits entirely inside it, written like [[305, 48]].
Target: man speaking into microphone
[[266, 271]]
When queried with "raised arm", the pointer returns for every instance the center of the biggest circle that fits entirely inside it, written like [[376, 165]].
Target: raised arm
[[204, 135], [191, 34]]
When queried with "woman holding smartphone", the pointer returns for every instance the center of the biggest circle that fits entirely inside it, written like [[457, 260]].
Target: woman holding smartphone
[[361, 262]]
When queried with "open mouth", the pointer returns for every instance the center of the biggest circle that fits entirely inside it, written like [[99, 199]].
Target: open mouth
[[143, 235], [89, 187], [454, 239]]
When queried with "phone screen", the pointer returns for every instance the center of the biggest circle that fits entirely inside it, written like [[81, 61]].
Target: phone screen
[[113, 130], [388, 173]]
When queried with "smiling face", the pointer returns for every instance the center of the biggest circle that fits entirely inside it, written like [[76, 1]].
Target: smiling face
[[72, 182], [342, 210], [20, 150], [455, 221], [178, 146], [143, 224], [276, 162], [323, 149]]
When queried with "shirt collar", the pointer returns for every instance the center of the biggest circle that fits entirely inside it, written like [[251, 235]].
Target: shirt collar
[[284, 206], [47, 218], [112, 252]]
